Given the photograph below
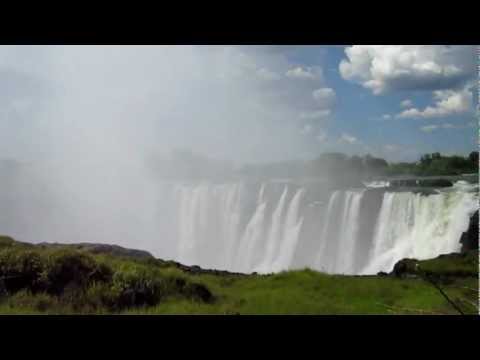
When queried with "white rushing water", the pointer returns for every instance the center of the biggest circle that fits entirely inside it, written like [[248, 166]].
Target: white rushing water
[[262, 228], [420, 227]]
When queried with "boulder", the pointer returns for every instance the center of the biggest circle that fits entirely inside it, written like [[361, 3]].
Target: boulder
[[404, 267]]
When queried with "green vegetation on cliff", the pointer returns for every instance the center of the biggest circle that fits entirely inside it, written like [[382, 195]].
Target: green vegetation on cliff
[[354, 169], [62, 279]]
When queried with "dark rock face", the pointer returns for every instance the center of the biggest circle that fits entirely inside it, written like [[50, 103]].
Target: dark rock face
[[197, 270], [421, 183], [404, 267], [469, 239]]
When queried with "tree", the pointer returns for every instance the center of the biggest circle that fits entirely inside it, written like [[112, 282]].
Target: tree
[[473, 157], [375, 165], [426, 159]]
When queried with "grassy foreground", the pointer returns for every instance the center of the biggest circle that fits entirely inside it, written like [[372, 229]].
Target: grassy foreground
[[46, 279]]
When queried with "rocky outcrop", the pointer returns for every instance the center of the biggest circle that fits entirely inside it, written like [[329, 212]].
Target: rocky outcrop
[[405, 268], [469, 238], [443, 267], [197, 270], [114, 250], [420, 183]]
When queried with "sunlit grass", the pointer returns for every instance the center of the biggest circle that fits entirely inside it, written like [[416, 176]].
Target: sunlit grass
[[173, 291]]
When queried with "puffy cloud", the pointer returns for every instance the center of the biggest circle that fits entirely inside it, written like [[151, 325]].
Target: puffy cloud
[[304, 73], [408, 67], [448, 102], [347, 138], [406, 103], [324, 97]]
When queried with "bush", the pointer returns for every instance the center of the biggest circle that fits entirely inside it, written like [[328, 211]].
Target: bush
[[21, 269], [50, 272], [73, 269], [25, 299], [42, 277]]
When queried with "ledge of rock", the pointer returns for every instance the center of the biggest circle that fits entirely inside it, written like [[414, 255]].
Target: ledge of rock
[[114, 250], [469, 239]]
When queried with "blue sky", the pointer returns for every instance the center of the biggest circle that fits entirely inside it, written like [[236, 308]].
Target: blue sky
[[360, 113], [240, 103]]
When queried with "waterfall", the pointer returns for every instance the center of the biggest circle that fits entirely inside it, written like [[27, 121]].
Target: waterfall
[[420, 227], [275, 234], [290, 234], [253, 235], [259, 228], [322, 259], [338, 239], [274, 226], [348, 233]]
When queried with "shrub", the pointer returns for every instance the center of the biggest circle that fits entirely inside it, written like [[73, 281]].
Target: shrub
[[25, 299], [137, 287], [20, 269], [73, 269], [69, 280]]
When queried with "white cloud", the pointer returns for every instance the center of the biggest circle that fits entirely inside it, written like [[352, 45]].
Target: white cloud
[[408, 67], [315, 115], [268, 74], [324, 97], [430, 128], [321, 136], [348, 138], [387, 116], [448, 102], [406, 103], [304, 73]]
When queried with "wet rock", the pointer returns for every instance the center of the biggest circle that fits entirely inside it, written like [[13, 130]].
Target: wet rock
[[421, 183], [469, 238], [404, 267]]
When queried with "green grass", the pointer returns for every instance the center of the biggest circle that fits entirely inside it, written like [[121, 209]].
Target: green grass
[[309, 292], [462, 266], [165, 289]]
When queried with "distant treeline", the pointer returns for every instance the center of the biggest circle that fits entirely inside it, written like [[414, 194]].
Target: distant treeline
[[338, 164], [437, 164]]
